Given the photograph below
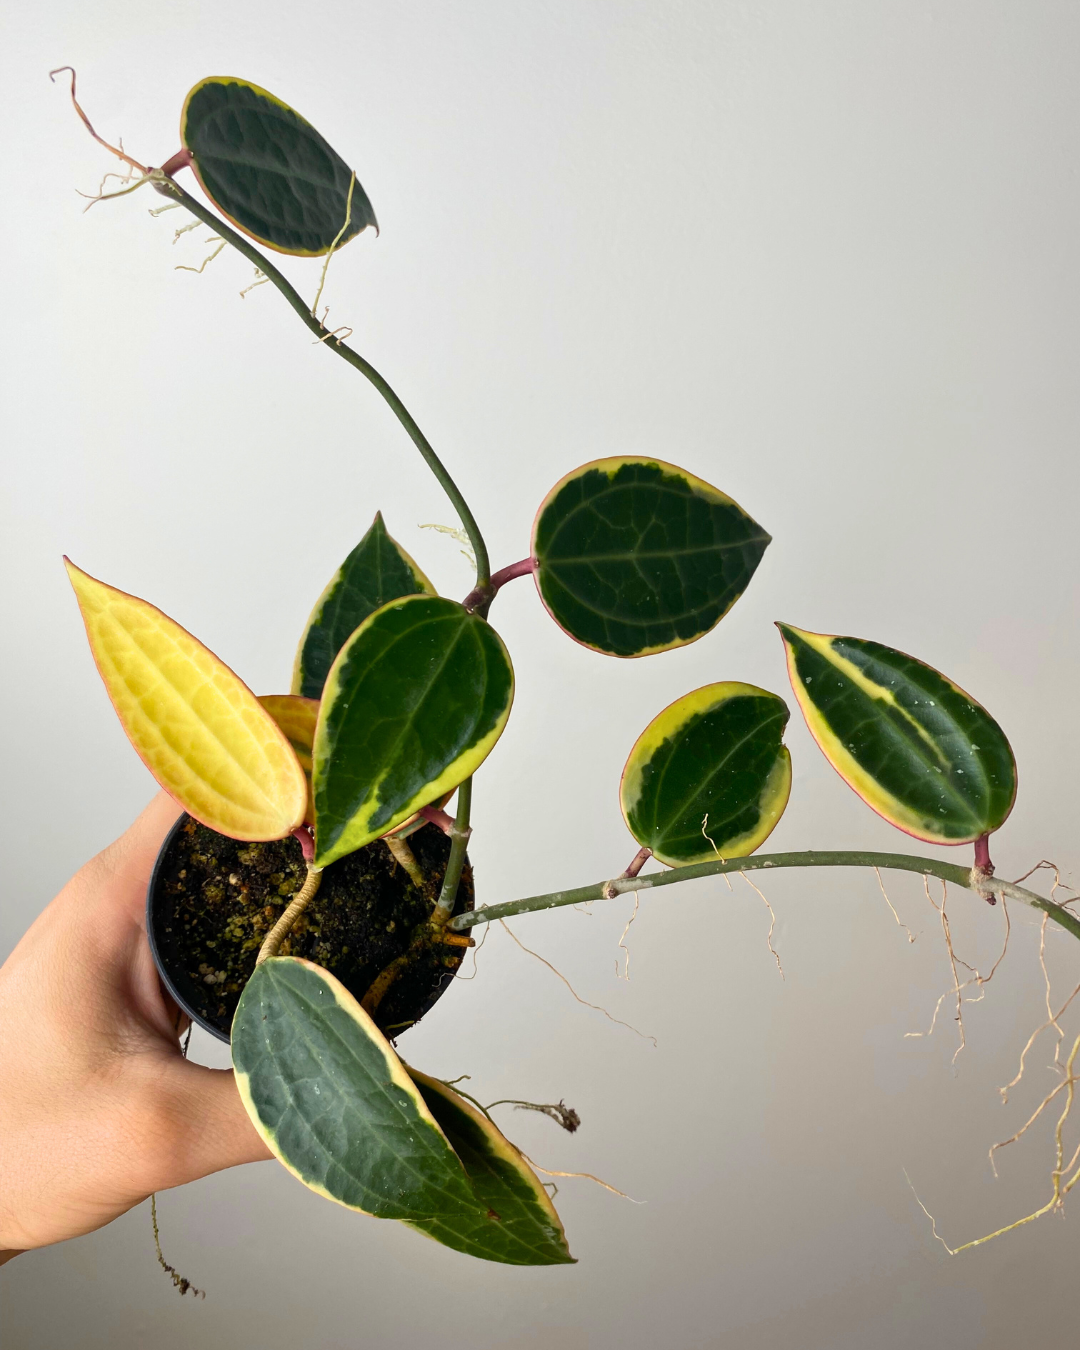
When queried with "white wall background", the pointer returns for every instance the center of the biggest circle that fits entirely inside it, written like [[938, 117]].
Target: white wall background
[[822, 254]]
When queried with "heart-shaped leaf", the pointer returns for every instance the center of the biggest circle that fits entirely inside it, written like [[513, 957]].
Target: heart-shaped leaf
[[268, 171], [636, 556], [413, 704], [333, 1102], [516, 1223], [297, 718], [377, 570], [198, 728], [913, 745], [709, 775]]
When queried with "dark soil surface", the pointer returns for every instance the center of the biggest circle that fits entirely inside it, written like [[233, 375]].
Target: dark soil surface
[[216, 899]]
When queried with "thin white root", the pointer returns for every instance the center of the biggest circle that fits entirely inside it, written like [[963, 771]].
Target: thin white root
[[772, 924], [595, 1006], [587, 1176], [892, 908], [622, 941]]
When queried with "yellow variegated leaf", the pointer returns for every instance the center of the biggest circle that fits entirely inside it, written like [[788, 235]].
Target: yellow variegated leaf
[[198, 728], [296, 717]]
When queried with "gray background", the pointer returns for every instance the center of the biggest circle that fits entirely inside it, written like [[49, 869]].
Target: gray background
[[821, 254]]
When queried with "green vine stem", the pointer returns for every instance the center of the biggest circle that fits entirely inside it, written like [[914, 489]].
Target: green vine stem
[[459, 837], [990, 888], [167, 187], [292, 912]]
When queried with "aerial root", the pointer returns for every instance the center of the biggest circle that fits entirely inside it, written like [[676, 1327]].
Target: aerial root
[[459, 535], [260, 280], [772, 924], [588, 1176], [475, 953], [214, 239], [772, 913], [622, 941], [1059, 1189], [333, 246], [958, 986], [184, 1285], [564, 1116], [595, 1006], [1051, 1021], [112, 149], [892, 908]]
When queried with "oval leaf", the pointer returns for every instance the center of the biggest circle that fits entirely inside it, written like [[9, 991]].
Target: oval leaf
[[376, 571], [516, 1223], [268, 171], [709, 775], [333, 1102], [296, 717], [413, 705], [913, 745], [636, 556], [198, 728]]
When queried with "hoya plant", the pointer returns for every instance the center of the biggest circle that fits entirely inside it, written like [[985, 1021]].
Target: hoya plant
[[315, 898]]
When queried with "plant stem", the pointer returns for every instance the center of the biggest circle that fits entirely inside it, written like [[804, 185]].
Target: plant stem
[[459, 837], [168, 188], [480, 597], [972, 879], [293, 910]]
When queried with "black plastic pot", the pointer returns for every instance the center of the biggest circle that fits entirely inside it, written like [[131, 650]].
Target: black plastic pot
[[364, 893]]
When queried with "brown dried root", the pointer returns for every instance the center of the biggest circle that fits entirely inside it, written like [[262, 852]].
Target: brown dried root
[[405, 857], [184, 1285], [564, 1116], [112, 149], [595, 1006]]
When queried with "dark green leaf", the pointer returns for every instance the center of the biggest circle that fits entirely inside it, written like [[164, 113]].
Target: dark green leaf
[[709, 775], [333, 1102], [412, 706], [377, 570], [637, 556], [268, 171], [911, 743], [516, 1222]]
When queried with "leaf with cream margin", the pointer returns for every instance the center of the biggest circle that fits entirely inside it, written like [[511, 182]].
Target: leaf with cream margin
[[197, 727], [915, 747], [333, 1102]]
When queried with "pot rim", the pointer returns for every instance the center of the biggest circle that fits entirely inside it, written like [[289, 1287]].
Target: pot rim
[[155, 951]]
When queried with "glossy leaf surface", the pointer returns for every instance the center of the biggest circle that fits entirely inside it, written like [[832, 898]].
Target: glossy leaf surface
[[709, 775], [198, 728], [413, 704], [268, 171], [516, 1222], [376, 571], [636, 556], [333, 1102], [297, 718], [912, 744]]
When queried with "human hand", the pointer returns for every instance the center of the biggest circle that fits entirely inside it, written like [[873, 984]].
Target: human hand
[[98, 1107]]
